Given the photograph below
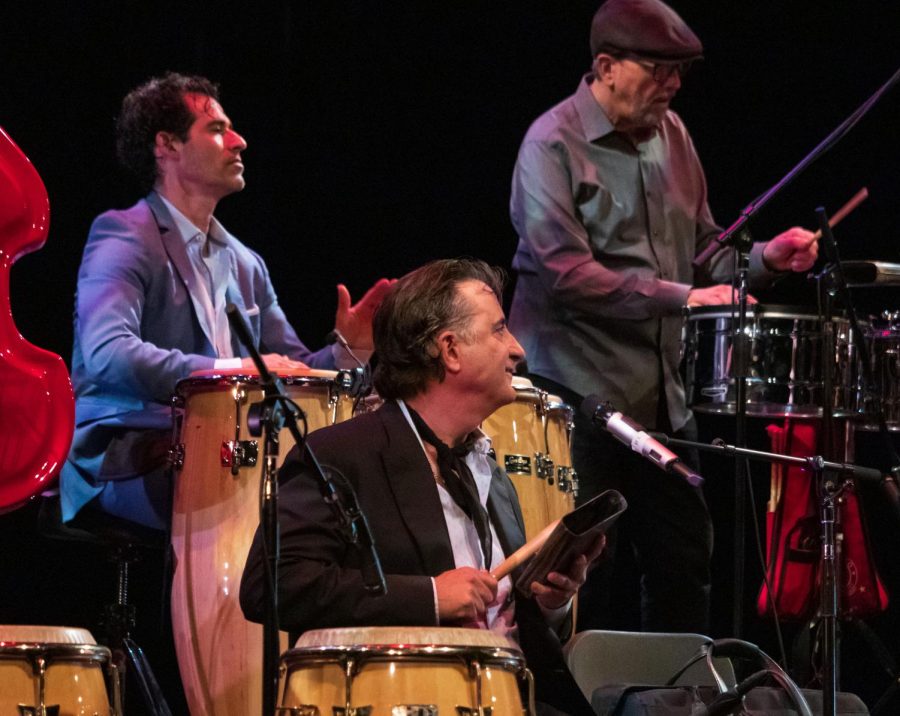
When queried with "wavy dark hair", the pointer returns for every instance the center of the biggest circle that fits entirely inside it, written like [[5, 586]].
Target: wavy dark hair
[[420, 306], [156, 106]]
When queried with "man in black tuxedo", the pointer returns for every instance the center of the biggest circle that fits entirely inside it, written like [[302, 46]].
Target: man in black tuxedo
[[441, 511]]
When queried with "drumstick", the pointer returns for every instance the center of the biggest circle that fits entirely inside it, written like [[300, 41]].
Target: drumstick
[[857, 199], [524, 552]]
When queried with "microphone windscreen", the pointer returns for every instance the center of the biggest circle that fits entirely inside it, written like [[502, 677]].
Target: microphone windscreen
[[589, 406]]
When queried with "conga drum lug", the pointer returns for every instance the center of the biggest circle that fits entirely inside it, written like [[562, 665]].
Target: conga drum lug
[[239, 453]]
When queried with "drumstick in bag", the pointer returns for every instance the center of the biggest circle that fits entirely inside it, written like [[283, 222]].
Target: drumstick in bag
[[839, 215], [524, 552]]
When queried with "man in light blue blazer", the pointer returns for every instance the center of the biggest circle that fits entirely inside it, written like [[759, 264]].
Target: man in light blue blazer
[[152, 288]]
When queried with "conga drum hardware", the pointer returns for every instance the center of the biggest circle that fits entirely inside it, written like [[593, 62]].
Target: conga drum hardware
[[409, 671], [567, 480], [55, 671], [559, 422], [237, 453]]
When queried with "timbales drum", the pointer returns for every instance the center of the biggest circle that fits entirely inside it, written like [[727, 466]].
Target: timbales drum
[[882, 337], [785, 363]]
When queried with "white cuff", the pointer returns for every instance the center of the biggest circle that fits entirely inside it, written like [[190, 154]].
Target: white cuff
[[437, 617], [228, 363]]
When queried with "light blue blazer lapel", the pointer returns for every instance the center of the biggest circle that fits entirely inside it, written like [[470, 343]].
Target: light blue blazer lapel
[[176, 250], [238, 290]]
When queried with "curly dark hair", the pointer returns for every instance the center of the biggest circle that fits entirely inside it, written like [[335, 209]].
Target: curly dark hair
[[419, 306], [158, 105]]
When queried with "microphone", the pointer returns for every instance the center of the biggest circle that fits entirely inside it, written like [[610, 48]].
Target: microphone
[[626, 431], [357, 381], [336, 336], [242, 330]]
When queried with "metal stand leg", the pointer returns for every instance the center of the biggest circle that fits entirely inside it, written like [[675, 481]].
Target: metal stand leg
[[119, 621]]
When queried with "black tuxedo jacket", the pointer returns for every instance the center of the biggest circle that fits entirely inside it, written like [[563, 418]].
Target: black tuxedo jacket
[[320, 582]]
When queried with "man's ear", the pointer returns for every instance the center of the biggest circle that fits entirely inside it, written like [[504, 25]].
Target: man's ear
[[164, 144], [603, 69], [448, 348]]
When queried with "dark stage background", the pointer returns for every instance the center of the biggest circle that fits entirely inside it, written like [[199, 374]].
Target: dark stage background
[[382, 135]]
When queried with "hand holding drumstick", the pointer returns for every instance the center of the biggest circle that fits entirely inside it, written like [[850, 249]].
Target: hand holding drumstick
[[797, 249], [562, 586]]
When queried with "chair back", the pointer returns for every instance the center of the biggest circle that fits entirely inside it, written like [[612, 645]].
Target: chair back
[[605, 658]]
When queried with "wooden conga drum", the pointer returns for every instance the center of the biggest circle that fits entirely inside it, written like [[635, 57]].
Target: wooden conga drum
[[215, 514], [55, 670], [532, 442], [517, 433], [404, 671]]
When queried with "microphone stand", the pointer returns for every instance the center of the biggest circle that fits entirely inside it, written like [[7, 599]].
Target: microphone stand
[[832, 283], [269, 416], [831, 479], [737, 235], [274, 412]]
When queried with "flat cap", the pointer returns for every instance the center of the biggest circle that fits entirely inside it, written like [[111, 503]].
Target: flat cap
[[648, 28]]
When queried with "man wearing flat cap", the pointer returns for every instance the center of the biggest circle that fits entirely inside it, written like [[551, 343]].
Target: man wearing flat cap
[[609, 201]]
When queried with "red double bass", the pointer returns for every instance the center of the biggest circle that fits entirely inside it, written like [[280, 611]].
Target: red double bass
[[37, 407]]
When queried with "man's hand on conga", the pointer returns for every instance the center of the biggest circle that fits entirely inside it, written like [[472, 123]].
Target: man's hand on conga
[[718, 295], [275, 362], [355, 321], [463, 594], [564, 585]]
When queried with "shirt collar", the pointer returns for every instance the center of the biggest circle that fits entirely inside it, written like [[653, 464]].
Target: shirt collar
[[594, 121], [481, 443], [186, 228]]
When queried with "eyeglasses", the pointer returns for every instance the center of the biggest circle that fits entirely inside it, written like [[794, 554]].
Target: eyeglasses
[[661, 71]]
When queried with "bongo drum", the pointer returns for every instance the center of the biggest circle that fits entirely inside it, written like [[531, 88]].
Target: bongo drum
[[55, 670], [215, 514], [403, 671]]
